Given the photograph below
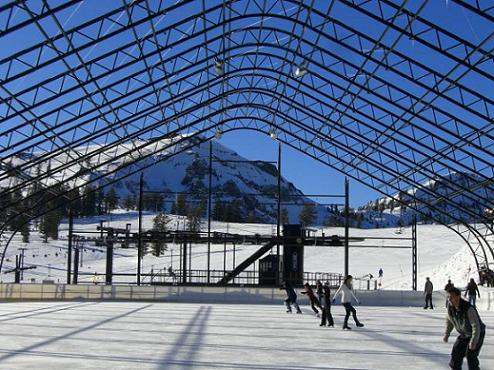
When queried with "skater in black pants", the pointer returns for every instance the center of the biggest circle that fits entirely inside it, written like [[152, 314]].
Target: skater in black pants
[[473, 291], [465, 319], [292, 298], [326, 311], [346, 299], [428, 289], [312, 298], [319, 291]]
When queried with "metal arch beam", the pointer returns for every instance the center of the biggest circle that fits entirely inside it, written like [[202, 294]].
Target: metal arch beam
[[193, 144]]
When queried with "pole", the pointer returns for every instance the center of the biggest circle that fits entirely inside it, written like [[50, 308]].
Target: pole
[[414, 253], [209, 209], [224, 255], [69, 252], [139, 240], [278, 221], [184, 263], [109, 259], [75, 278], [347, 224]]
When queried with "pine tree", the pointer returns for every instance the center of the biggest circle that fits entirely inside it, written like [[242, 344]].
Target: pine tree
[[180, 205], [251, 217], [129, 202], [160, 223], [285, 218], [111, 200], [194, 218], [308, 214]]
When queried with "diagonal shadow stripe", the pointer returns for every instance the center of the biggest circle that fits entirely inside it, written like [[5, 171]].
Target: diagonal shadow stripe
[[74, 332], [51, 311]]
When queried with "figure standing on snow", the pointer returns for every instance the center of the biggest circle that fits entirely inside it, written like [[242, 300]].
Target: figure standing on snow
[[381, 272], [346, 299], [428, 289], [319, 291], [447, 287], [465, 319], [473, 291], [312, 298], [326, 311], [292, 298]]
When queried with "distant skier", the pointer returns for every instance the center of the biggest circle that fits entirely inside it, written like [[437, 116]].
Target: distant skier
[[428, 289], [346, 299], [326, 311], [465, 319], [312, 298], [319, 291], [292, 298], [447, 287], [472, 291]]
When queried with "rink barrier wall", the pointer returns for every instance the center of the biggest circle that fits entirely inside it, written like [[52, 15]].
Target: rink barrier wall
[[205, 294]]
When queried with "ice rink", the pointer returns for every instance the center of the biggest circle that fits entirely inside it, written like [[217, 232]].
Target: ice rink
[[146, 335]]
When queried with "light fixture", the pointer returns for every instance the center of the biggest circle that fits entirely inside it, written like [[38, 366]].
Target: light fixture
[[301, 69], [218, 67], [218, 133], [273, 134]]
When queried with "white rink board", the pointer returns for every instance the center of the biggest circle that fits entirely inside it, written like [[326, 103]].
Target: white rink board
[[145, 335]]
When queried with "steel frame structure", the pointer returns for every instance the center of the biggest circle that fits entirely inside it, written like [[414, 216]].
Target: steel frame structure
[[390, 95]]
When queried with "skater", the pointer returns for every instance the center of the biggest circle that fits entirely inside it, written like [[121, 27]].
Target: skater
[[428, 289], [465, 319], [447, 287], [312, 298], [473, 291], [346, 299], [381, 272], [292, 298], [326, 311], [319, 291]]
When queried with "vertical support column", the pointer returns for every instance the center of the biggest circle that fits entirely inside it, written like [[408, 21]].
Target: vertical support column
[[75, 277], [278, 223], [414, 253], [224, 255], [139, 240], [184, 263], [347, 225], [69, 251], [17, 276], [109, 262], [209, 209]]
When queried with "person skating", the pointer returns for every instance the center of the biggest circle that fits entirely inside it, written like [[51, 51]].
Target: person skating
[[472, 291], [319, 291], [447, 287], [292, 298], [312, 298], [465, 319], [326, 311], [346, 300], [428, 289]]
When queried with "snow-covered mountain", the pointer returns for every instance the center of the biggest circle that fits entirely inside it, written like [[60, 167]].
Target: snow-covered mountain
[[249, 187]]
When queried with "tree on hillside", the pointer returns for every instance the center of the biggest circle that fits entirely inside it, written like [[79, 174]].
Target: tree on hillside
[[180, 205], [160, 222], [284, 218], [194, 215], [110, 200], [308, 214]]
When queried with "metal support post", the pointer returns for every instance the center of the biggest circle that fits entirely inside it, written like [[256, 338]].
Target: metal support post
[[347, 225], [75, 277], [278, 219], [414, 253], [69, 251], [209, 210], [139, 240]]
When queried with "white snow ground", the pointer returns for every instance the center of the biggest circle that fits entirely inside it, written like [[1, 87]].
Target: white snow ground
[[441, 254], [141, 335]]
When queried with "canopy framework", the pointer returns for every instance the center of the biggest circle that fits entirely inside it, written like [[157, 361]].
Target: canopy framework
[[388, 93]]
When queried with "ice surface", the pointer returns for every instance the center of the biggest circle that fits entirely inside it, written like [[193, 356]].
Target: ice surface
[[124, 335]]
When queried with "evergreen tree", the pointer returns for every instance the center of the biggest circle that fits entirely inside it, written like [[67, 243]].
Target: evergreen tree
[[285, 219], [308, 214], [218, 211], [194, 218], [129, 202], [111, 200], [158, 247], [180, 205], [251, 217]]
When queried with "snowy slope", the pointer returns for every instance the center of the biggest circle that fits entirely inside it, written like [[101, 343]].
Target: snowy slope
[[441, 254]]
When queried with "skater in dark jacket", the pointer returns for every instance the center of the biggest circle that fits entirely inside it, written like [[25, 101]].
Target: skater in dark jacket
[[465, 319], [312, 298], [326, 311], [292, 298], [319, 291], [346, 299], [428, 289], [472, 291]]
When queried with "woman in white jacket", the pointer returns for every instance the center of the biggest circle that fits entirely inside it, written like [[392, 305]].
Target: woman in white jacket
[[346, 299]]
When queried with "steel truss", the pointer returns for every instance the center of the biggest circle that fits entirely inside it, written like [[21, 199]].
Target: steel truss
[[391, 95]]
